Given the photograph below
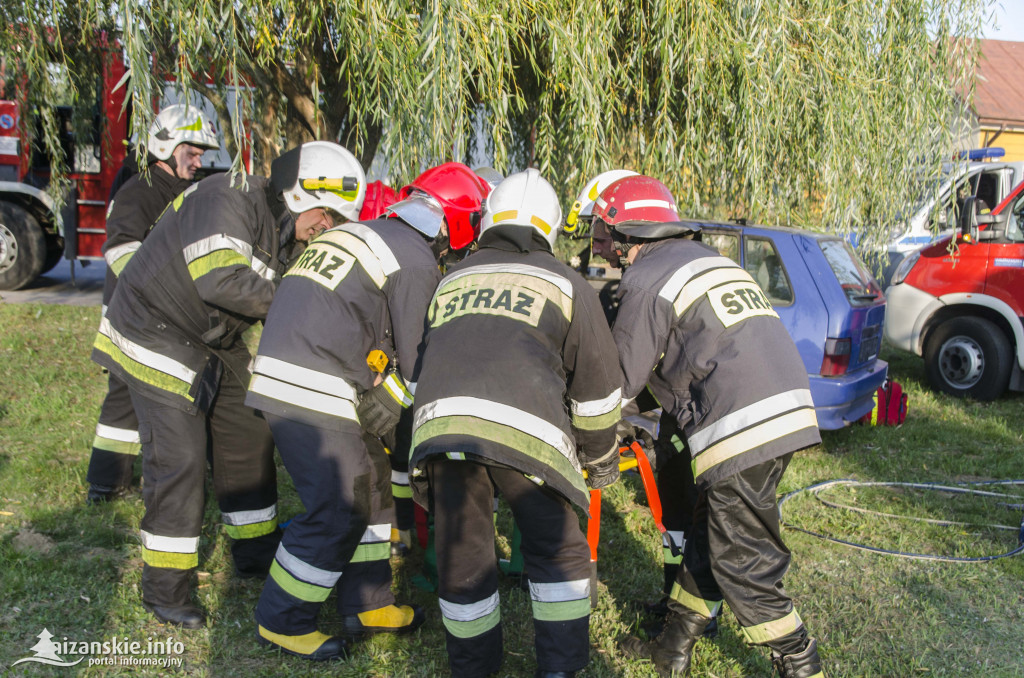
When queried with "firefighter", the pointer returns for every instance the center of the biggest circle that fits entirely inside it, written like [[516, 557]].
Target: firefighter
[[696, 328], [178, 138], [519, 392], [671, 461], [358, 289], [174, 334], [380, 196]]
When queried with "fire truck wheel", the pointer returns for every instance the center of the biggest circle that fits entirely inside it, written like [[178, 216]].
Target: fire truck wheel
[[968, 357], [22, 247], [54, 252]]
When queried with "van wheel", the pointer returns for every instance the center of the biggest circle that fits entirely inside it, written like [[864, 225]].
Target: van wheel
[[22, 247], [968, 358]]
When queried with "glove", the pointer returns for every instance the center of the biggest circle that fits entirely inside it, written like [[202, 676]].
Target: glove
[[627, 433], [378, 412], [645, 439], [603, 471]]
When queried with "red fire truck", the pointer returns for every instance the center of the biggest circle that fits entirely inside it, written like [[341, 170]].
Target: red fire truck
[[33, 233]]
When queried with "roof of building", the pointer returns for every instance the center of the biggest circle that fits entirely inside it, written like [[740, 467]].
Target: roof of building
[[999, 97]]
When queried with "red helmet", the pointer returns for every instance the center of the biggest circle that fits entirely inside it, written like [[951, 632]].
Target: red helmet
[[641, 207], [456, 194], [379, 196]]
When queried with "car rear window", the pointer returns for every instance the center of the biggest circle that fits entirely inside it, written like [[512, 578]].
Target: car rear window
[[858, 284]]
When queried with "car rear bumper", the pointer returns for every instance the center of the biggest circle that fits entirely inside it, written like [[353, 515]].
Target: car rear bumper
[[840, 401]]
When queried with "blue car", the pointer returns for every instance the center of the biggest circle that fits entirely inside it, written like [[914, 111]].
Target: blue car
[[828, 301]]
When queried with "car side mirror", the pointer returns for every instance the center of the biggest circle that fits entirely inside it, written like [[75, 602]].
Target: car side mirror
[[973, 214]]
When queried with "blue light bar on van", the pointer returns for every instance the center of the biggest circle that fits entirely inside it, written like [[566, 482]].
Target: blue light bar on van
[[982, 153]]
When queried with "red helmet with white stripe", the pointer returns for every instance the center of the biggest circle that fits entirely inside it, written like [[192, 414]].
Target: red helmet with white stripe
[[641, 207]]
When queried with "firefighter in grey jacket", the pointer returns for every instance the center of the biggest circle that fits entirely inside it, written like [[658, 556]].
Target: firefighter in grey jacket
[[358, 289], [519, 391], [696, 327], [178, 138], [173, 332]]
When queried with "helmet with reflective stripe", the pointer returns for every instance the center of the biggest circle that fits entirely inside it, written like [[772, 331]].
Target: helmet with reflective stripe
[[450, 193], [583, 208], [320, 174], [641, 207], [379, 196], [524, 199], [180, 124]]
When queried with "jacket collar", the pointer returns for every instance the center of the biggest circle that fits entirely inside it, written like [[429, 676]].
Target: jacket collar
[[513, 239]]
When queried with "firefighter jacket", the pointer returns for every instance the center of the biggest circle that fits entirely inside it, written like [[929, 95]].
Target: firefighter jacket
[[132, 212], [357, 287], [519, 367], [205, 273], [698, 329]]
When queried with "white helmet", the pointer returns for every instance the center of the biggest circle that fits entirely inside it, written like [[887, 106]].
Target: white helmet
[[583, 208], [320, 174], [180, 124], [524, 199]]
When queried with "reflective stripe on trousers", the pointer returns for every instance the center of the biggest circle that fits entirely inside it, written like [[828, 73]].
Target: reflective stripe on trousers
[[342, 540], [557, 559]]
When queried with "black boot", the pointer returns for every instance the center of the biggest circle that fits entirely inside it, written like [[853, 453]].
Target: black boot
[[314, 646], [166, 593], [672, 650], [398, 619], [540, 673], [804, 664], [657, 612], [101, 494]]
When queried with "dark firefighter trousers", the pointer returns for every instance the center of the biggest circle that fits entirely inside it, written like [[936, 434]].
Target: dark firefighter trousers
[[735, 552], [556, 556], [399, 458], [175, 448], [116, 444], [343, 540]]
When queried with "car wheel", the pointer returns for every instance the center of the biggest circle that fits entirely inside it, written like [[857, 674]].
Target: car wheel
[[968, 358], [22, 247]]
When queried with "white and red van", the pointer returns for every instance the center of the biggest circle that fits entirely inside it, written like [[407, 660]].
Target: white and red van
[[959, 303]]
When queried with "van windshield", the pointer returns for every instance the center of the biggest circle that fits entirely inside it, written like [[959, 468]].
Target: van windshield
[[858, 284]]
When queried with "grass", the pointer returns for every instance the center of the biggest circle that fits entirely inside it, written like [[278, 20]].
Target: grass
[[75, 569]]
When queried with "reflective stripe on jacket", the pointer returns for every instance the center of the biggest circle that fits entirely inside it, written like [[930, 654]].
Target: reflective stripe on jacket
[[519, 368], [204, 275], [357, 287], [131, 214]]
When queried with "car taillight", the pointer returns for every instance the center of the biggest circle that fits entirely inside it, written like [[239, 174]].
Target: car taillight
[[837, 357]]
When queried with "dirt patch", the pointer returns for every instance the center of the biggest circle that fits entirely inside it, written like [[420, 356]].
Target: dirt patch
[[31, 542]]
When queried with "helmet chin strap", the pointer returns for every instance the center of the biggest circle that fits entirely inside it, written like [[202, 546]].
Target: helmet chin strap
[[621, 248], [440, 244]]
